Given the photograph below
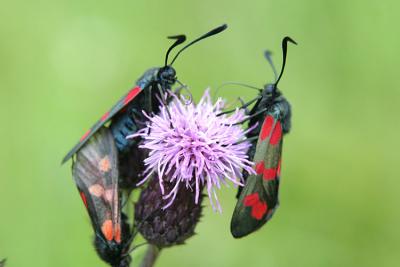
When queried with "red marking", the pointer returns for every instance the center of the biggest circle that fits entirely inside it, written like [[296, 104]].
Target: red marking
[[83, 199], [251, 199], [260, 167], [107, 229], [269, 174], [276, 134], [132, 94], [85, 135], [267, 127], [278, 169], [105, 116], [258, 210], [117, 233]]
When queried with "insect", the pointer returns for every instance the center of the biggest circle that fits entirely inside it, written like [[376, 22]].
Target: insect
[[95, 172], [258, 199], [145, 95]]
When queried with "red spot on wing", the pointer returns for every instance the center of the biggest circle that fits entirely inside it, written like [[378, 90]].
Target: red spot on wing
[[117, 233], [267, 127], [258, 210], [260, 167], [105, 116], [251, 199], [276, 134], [258, 207], [85, 135], [278, 169], [132, 94], [269, 174], [83, 199], [107, 229]]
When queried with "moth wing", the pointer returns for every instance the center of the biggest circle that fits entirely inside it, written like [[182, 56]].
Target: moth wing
[[125, 100], [96, 176], [250, 209], [268, 159], [261, 190]]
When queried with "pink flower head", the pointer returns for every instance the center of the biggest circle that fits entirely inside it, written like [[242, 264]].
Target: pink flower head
[[189, 145]]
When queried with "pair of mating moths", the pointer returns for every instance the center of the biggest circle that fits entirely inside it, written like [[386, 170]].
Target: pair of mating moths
[[103, 151]]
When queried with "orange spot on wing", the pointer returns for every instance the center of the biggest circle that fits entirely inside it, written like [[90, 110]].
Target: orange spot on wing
[[96, 190], [117, 233], [107, 229], [108, 195], [104, 164]]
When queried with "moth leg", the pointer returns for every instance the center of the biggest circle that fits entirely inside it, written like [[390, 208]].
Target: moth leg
[[244, 106], [252, 116], [138, 117]]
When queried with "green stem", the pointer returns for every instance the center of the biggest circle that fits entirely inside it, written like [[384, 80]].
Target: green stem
[[150, 257]]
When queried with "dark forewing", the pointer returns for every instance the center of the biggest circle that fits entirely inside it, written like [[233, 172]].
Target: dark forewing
[[96, 176], [259, 198], [105, 118]]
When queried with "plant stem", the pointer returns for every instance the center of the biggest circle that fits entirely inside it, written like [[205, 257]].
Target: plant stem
[[150, 257]]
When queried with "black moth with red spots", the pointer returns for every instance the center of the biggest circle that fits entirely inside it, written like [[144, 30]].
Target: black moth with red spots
[[155, 83], [127, 117], [106, 161], [258, 199], [95, 172]]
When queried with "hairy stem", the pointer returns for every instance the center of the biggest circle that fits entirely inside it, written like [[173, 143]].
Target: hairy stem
[[150, 257]]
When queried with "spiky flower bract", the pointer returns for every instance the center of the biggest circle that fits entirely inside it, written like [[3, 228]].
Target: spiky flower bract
[[193, 146]]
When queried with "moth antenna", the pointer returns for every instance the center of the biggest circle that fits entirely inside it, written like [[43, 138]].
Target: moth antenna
[[208, 34], [284, 52], [236, 83], [179, 40], [268, 56]]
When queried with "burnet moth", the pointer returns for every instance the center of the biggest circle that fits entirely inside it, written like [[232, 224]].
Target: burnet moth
[[95, 172], [100, 151], [127, 112], [258, 199]]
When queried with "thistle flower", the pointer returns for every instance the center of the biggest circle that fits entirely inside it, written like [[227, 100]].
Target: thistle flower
[[171, 226], [190, 146]]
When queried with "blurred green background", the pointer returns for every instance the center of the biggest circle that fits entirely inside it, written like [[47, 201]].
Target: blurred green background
[[63, 63]]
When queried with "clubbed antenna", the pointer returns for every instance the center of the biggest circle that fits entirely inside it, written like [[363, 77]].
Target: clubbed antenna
[[268, 56], [284, 52], [179, 39], [209, 34]]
